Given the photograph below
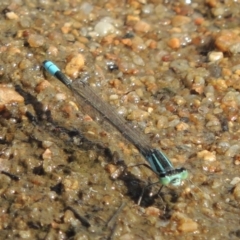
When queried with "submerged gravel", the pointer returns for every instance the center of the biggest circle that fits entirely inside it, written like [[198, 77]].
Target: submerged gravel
[[172, 68]]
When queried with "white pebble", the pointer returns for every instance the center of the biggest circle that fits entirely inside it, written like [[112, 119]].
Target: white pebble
[[235, 181], [113, 97], [103, 28], [215, 56]]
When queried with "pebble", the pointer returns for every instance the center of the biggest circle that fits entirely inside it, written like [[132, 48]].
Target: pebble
[[207, 155], [75, 64], [70, 184], [174, 43], [8, 96], [153, 211], [42, 85], [212, 3], [215, 56], [228, 41], [184, 224], [236, 192], [12, 15], [138, 115], [182, 126], [25, 234], [162, 122], [142, 26], [47, 155], [35, 40], [104, 27]]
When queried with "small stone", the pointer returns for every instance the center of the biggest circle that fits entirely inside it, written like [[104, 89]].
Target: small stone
[[75, 65], [47, 154], [46, 144], [142, 26], [182, 126], [36, 40], [113, 97], [9, 95], [11, 15], [162, 122], [226, 40], [132, 19], [207, 155], [174, 43], [137, 115], [104, 28], [70, 184], [215, 56], [42, 85], [189, 226], [236, 191], [152, 211], [66, 28], [68, 216], [184, 224], [212, 3], [111, 168]]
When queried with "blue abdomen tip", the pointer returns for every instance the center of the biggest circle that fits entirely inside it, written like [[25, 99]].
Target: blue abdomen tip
[[50, 67]]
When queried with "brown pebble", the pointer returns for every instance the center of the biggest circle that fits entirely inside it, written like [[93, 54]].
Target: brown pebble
[[66, 28], [9, 95], [152, 211], [142, 26], [127, 42], [182, 126], [236, 191], [174, 43], [111, 168], [212, 3], [132, 19], [184, 224], [199, 21], [42, 85], [226, 39], [207, 155], [75, 65]]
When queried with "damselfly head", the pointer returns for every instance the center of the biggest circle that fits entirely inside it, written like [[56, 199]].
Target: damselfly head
[[174, 177]]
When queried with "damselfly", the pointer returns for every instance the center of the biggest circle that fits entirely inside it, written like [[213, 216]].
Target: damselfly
[[158, 161]]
